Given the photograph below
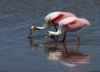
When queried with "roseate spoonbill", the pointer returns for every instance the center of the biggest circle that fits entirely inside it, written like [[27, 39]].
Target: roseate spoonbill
[[70, 24], [51, 19]]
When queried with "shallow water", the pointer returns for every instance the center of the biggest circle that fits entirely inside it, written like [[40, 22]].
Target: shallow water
[[20, 54]]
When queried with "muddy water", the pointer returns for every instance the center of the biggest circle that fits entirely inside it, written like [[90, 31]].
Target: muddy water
[[20, 54]]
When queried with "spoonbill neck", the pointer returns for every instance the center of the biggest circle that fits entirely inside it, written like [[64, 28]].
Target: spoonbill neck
[[40, 28], [55, 33], [45, 26]]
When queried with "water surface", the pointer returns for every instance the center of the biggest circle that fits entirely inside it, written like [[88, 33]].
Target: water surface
[[20, 54]]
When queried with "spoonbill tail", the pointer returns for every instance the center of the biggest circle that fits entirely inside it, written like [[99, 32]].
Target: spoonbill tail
[[70, 24], [51, 19]]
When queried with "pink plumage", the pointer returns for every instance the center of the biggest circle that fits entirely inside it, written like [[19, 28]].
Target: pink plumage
[[74, 23], [56, 17], [61, 16]]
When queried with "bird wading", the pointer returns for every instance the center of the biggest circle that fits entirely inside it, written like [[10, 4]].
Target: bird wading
[[70, 24], [51, 19]]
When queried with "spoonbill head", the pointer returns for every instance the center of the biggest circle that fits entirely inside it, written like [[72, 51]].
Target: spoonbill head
[[70, 24], [51, 19]]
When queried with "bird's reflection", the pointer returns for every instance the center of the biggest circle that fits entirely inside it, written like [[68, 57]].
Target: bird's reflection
[[68, 54], [34, 45]]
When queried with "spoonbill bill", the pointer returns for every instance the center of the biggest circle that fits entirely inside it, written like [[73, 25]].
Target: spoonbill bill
[[51, 19], [70, 24]]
